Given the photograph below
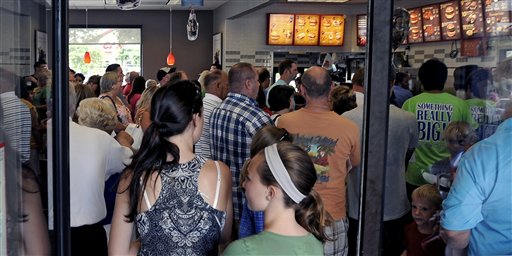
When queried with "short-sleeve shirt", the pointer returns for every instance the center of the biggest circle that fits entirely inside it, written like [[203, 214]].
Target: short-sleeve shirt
[[434, 111], [232, 125], [481, 197], [268, 243], [332, 142]]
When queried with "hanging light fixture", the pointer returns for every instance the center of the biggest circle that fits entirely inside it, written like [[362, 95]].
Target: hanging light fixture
[[87, 55], [170, 56]]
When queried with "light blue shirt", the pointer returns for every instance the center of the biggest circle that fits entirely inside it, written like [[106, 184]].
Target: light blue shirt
[[481, 196]]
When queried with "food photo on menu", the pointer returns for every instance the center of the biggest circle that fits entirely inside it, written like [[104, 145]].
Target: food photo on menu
[[306, 29], [472, 18], [331, 30], [450, 20], [415, 28], [280, 29], [497, 17], [431, 26]]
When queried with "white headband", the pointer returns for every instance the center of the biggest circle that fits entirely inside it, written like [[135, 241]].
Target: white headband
[[281, 174]]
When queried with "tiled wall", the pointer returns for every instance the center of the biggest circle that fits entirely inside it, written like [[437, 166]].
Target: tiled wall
[[15, 50], [441, 50]]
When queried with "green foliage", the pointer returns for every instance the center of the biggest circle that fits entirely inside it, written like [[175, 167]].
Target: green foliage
[[106, 46]]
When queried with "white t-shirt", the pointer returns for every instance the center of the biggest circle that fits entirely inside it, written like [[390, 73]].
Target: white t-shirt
[[94, 156]]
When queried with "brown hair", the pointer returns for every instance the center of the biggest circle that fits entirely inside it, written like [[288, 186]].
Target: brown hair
[[343, 99], [310, 212]]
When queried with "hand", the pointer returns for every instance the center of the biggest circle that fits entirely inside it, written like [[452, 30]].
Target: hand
[[119, 127], [124, 138]]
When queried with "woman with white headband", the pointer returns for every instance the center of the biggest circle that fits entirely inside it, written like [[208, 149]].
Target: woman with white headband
[[279, 181]]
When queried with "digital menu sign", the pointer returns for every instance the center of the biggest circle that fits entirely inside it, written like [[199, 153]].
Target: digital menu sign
[[472, 18], [362, 23], [415, 28], [306, 29], [431, 23], [280, 29], [331, 30], [450, 20], [497, 17]]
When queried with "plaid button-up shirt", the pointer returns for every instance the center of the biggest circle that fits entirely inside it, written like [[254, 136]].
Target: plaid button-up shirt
[[232, 125]]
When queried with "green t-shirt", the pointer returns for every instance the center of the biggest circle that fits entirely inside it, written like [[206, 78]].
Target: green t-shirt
[[486, 115], [267, 243], [434, 111]]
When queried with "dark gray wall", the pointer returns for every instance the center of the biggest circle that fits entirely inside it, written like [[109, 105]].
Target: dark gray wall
[[191, 56]]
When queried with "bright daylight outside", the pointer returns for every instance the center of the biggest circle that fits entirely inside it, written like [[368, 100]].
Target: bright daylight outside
[[106, 46]]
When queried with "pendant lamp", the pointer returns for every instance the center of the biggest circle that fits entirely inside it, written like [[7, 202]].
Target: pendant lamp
[[87, 55], [170, 57]]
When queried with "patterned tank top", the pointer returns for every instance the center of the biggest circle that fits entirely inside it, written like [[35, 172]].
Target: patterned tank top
[[180, 222]]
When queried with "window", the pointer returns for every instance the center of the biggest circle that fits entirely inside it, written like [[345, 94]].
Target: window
[[106, 46]]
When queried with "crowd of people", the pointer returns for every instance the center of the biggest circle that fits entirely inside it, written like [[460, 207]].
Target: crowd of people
[[233, 164]]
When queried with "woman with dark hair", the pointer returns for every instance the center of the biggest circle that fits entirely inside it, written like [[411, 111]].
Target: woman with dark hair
[[138, 86], [94, 83], [281, 101], [180, 202], [279, 181]]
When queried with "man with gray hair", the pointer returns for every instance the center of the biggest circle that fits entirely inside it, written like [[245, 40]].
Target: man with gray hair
[[216, 86], [233, 123], [332, 141]]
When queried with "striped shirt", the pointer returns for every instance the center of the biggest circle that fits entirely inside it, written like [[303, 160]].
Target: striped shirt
[[17, 124], [232, 126], [210, 102]]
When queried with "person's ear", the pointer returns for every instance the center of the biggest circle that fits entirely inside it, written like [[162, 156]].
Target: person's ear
[[270, 193], [303, 91]]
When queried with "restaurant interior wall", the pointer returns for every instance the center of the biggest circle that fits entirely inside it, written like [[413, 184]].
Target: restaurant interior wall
[[191, 56], [421, 52], [232, 9], [246, 36], [30, 16]]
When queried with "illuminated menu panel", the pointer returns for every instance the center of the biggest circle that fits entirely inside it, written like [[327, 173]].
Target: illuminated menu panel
[[450, 20], [306, 29], [497, 17], [280, 29], [472, 18], [362, 23], [415, 28], [332, 29], [431, 23]]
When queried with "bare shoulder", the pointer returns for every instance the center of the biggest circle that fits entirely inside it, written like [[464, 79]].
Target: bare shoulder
[[209, 170]]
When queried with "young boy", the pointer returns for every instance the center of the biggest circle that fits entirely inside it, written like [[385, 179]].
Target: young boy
[[419, 235]]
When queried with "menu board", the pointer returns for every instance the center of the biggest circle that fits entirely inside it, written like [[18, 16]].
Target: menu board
[[306, 29], [331, 30], [280, 29], [450, 20], [497, 17], [431, 26], [472, 18], [362, 23], [415, 33]]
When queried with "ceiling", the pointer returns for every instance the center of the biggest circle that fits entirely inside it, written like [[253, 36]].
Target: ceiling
[[144, 5], [176, 4]]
